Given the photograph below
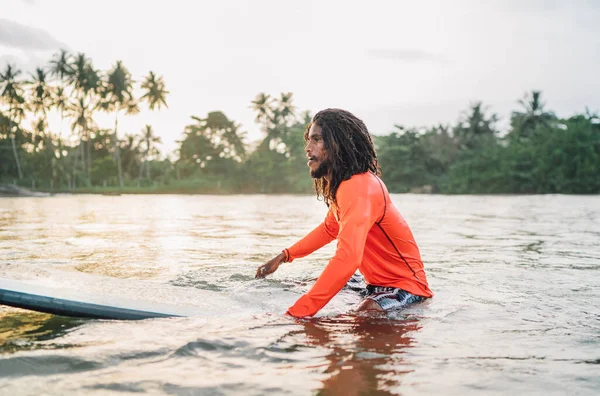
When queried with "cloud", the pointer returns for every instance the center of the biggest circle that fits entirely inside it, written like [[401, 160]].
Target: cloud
[[406, 55], [13, 34], [26, 63]]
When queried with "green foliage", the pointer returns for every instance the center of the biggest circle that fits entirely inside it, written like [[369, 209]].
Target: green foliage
[[526, 123], [71, 85], [479, 172], [211, 146], [560, 158], [541, 153], [402, 158], [278, 165], [104, 171]]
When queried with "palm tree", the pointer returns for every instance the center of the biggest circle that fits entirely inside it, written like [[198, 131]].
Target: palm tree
[[286, 108], [41, 100], [526, 122], [262, 105], [475, 127], [130, 153], [60, 65], [59, 101], [86, 84], [117, 95], [60, 68], [155, 93], [149, 138], [275, 115], [41, 94], [81, 113], [84, 78], [11, 95], [283, 115]]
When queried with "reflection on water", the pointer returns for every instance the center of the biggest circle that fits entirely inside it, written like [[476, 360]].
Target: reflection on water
[[516, 307], [364, 354], [22, 330]]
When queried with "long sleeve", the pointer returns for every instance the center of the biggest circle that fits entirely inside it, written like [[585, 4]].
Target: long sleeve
[[356, 218], [316, 239]]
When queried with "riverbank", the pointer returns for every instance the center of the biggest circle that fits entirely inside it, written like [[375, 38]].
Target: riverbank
[[195, 189], [15, 191], [206, 186]]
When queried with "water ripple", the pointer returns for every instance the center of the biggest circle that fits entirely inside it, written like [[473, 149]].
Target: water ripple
[[516, 307]]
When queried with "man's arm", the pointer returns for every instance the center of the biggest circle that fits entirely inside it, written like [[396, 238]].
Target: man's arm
[[356, 219], [314, 240], [323, 234]]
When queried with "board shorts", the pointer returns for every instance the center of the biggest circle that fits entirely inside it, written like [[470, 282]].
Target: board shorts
[[388, 298], [391, 298]]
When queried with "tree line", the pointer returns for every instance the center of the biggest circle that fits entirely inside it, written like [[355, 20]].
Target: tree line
[[71, 86], [540, 153]]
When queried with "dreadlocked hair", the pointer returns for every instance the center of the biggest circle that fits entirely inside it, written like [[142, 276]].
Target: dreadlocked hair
[[349, 147]]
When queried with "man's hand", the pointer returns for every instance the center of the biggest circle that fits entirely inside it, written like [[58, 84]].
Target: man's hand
[[271, 266]]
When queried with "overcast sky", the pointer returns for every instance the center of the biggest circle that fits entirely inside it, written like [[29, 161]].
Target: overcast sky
[[390, 62]]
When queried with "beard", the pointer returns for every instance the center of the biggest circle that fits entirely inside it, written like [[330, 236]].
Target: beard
[[322, 170]]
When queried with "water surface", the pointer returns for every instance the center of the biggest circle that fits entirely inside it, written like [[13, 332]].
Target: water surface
[[516, 307]]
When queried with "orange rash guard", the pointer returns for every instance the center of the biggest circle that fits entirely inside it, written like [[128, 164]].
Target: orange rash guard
[[372, 237]]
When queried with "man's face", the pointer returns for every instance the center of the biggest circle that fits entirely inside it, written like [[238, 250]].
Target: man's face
[[318, 160]]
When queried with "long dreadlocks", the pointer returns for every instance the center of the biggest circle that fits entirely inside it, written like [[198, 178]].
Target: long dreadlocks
[[349, 147]]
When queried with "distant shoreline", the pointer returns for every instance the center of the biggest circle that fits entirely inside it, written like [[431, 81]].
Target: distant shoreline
[[15, 191], [115, 191]]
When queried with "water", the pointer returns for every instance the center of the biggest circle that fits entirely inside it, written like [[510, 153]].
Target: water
[[516, 307]]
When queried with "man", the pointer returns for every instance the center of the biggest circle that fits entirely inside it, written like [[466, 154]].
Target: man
[[372, 235]]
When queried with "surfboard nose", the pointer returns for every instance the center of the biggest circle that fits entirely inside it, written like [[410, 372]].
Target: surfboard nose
[[53, 301]]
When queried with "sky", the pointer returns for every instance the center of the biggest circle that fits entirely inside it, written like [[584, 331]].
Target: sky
[[413, 63]]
